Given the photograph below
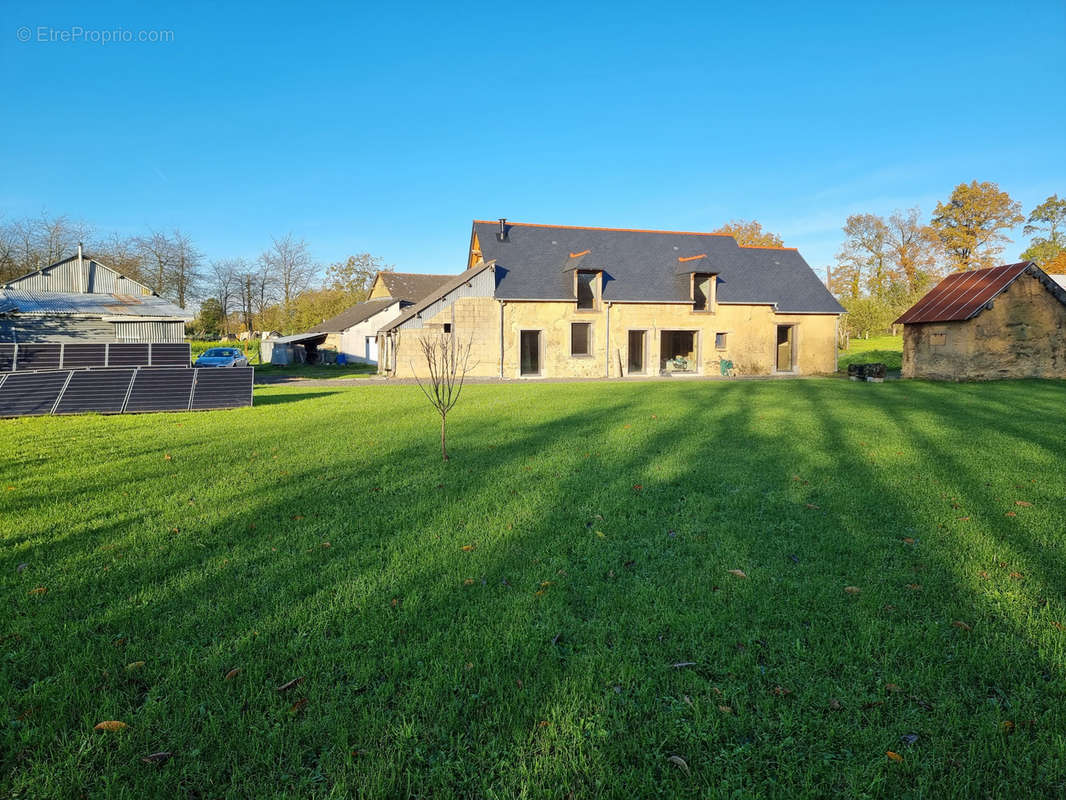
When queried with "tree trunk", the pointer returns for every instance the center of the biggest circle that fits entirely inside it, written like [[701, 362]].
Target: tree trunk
[[443, 447]]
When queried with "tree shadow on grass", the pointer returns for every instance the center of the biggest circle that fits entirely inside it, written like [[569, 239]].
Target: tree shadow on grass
[[600, 543]]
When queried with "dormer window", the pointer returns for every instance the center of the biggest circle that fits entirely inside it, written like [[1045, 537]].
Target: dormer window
[[588, 290], [702, 291]]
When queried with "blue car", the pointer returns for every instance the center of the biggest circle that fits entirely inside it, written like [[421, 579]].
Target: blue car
[[222, 357]]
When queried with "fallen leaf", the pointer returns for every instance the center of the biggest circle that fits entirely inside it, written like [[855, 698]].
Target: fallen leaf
[[1016, 576], [852, 589], [908, 540], [679, 762], [110, 725], [39, 590], [637, 487], [893, 756], [134, 665], [290, 684], [873, 704], [983, 575], [298, 706], [962, 625], [914, 587], [468, 582], [1008, 727], [167, 457], [781, 691], [469, 666], [157, 758], [326, 544], [964, 519], [738, 572], [812, 505], [1010, 514], [544, 723], [1022, 503], [725, 709], [1058, 625], [233, 673], [467, 548]]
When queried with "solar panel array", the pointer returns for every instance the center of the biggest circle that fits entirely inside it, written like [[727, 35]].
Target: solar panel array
[[80, 355], [124, 390]]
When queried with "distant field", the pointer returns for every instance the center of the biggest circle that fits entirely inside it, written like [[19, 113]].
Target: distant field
[[887, 350], [300, 600]]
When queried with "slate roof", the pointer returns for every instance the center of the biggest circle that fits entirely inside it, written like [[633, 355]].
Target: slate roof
[[535, 263], [412, 286], [23, 301], [964, 295], [354, 315]]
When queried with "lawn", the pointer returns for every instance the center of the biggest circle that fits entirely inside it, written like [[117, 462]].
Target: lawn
[[553, 612], [887, 350]]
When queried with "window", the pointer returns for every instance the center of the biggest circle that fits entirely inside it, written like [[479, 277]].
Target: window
[[701, 291], [586, 290], [581, 339], [447, 327], [719, 341]]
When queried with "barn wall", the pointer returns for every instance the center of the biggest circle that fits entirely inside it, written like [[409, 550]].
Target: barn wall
[[95, 278], [55, 329], [1023, 335], [750, 337]]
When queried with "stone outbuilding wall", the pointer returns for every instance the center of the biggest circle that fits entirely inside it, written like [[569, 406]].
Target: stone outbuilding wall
[[1023, 335]]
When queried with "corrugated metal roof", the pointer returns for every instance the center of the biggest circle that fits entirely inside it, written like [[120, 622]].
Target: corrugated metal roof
[[298, 337], [21, 301], [963, 295]]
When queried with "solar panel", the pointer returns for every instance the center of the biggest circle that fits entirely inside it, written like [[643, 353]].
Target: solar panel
[[100, 390], [7, 357], [127, 354], [37, 356], [224, 387], [161, 389], [167, 354], [84, 354], [31, 393]]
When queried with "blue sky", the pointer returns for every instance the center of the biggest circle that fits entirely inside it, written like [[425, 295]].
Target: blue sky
[[388, 128]]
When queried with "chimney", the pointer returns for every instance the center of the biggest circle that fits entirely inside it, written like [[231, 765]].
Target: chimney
[[501, 234], [81, 271]]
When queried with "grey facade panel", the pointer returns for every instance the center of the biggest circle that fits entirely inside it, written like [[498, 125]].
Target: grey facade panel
[[92, 278], [55, 329], [481, 285], [150, 331]]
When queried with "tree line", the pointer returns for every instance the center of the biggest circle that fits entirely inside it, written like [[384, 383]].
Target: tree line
[[283, 289], [887, 263]]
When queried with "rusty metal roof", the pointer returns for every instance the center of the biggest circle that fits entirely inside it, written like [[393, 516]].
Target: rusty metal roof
[[963, 295]]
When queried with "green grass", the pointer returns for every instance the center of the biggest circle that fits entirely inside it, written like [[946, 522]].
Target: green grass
[[318, 536], [887, 350], [317, 371]]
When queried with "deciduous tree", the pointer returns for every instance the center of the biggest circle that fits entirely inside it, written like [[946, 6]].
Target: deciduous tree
[[289, 264], [912, 250], [1048, 219], [971, 225], [750, 233], [448, 363], [354, 276]]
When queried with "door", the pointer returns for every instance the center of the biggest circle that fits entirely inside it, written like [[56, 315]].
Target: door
[[784, 348], [530, 353], [636, 352]]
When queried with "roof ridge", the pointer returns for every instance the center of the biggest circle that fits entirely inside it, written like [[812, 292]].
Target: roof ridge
[[419, 274], [594, 228]]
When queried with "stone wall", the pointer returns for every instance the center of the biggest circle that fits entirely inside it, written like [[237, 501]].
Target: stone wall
[[750, 337], [1023, 335]]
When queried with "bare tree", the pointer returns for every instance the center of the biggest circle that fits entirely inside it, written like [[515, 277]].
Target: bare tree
[[35, 242], [121, 253], [223, 279], [448, 362], [289, 265], [184, 275], [157, 250]]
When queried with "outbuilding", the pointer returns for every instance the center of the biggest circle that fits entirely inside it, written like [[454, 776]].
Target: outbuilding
[[79, 299], [1001, 322]]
